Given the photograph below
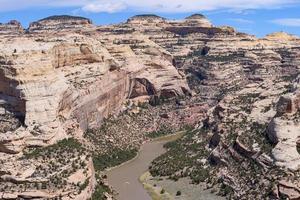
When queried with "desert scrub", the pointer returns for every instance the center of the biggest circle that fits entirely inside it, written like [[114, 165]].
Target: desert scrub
[[113, 158], [84, 185], [225, 190], [182, 153], [65, 145], [199, 174], [162, 131]]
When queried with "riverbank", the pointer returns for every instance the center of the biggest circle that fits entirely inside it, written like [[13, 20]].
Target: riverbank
[[162, 188], [125, 178]]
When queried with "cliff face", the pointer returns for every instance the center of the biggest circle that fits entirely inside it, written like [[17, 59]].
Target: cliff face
[[57, 85], [242, 79], [65, 75]]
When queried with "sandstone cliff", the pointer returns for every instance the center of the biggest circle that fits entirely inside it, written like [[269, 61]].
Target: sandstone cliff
[[57, 82], [64, 76]]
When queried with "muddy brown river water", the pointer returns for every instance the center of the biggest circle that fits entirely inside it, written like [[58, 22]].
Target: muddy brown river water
[[125, 178]]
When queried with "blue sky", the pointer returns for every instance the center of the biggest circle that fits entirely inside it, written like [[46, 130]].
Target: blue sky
[[258, 17]]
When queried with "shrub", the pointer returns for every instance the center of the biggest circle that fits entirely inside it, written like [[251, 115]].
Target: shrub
[[178, 193]]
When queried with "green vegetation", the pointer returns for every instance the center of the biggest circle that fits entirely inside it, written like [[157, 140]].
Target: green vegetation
[[225, 190], [246, 101], [164, 130], [199, 175], [57, 162], [101, 162], [64, 17], [113, 158], [99, 192], [84, 185], [178, 193], [183, 153], [65, 145]]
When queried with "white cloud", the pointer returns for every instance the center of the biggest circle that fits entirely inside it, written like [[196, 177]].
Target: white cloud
[[170, 6], [293, 22], [110, 7], [241, 20]]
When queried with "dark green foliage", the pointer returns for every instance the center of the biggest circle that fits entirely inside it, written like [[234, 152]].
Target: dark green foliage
[[225, 190], [181, 153], [64, 17], [199, 175], [84, 185], [147, 16], [114, 158], [99, 192], [196, 16], [64, 145], [178, 193]]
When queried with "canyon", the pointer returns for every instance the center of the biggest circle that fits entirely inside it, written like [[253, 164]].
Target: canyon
[[73, 93]]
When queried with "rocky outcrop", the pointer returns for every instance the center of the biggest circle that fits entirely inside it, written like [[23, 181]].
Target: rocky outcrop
[[60, 22], [284, 131], [145, 19], [12, 27], [198, 20], [289, 190]]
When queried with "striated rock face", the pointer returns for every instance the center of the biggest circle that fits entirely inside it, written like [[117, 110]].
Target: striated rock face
[[198, 20], [252, 127], [284, 131], [62, 78], [145, 19], [65, 76], [12, 27]]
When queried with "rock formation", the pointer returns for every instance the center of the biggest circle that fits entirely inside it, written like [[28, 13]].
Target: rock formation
[[61, 22], [12, 27], [61, 78], [60, 84]]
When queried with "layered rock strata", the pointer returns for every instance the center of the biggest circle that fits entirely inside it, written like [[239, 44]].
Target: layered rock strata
[[65, 75]]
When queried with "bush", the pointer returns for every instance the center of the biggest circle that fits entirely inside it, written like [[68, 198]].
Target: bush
[[178, 193]]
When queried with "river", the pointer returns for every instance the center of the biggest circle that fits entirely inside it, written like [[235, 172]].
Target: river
[[125, 178]]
